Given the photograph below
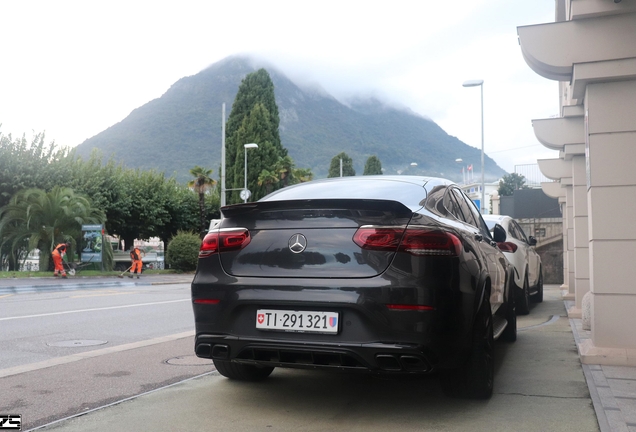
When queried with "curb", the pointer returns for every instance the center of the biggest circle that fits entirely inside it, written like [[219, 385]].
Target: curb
[[73, 285], [60, 287]]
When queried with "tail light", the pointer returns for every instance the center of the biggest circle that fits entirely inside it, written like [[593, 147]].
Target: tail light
[[413, 240], [378, 238], [507, 246], [224, 240]]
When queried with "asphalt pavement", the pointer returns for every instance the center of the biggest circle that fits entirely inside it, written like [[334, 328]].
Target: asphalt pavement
[[540, 385]]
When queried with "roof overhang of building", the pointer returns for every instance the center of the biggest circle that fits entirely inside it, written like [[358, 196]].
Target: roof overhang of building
[[555, 169], [552, 50], [553, 189], [555, 133]]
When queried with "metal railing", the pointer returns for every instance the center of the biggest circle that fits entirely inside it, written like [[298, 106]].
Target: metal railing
[[533, 175]]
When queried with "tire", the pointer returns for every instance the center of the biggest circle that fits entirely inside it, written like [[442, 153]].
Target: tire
[[538, 297], [242, 372], [475, 378], [510, 333], [523, 300]]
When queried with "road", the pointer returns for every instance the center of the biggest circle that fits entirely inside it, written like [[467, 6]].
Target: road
[[71, 351]]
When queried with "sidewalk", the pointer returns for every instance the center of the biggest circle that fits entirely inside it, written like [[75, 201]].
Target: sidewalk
[[612, 388], [37, 284]]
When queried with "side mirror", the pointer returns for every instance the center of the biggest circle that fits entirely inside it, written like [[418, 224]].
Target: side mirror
[[499, 233], [532, 241]]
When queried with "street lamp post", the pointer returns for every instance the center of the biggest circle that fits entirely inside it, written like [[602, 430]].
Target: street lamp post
[[250, 145], [480, 83]]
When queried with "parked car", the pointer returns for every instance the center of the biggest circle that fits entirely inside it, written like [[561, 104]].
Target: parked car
[[519, 249], [387, 274]]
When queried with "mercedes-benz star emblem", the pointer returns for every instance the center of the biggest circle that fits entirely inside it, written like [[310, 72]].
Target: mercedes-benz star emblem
[[297, 243]]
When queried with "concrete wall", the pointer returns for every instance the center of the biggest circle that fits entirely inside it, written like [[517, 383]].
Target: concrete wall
[[549, 235]]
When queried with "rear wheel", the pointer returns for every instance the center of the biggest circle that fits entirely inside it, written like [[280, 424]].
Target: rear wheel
[[510, 333], [523, 300], [538, 297], [475, 379], [242, 372]]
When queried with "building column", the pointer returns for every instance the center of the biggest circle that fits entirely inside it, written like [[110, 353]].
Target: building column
[[580, 242], [569, 216], [565, 287], [611, 193]]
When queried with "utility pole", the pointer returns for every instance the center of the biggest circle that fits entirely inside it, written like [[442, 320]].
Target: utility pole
[[223, 155]]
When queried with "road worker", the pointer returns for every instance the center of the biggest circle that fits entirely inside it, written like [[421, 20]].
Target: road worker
[[137, 264], [58, 255]]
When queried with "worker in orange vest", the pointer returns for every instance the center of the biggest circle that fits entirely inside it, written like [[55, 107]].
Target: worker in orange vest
[[58, 254], [135, 256]]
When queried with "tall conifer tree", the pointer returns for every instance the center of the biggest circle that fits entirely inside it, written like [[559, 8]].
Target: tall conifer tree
[[373, 166], [254, 119], [347, 166]]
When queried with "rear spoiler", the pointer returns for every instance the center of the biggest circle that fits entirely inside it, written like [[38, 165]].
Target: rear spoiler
[[394, 207]]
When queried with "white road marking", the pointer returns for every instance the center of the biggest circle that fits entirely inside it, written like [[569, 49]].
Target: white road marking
[[102, 294], [94, 309], [90, 354]]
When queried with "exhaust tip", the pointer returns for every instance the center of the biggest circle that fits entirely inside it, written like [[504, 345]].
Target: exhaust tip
[[203, 350], [413, 363], [388, 362], [220, 352]]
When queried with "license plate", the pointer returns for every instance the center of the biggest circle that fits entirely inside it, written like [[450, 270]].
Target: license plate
[[297, 321]]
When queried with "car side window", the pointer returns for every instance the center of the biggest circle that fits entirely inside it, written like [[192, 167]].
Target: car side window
[[463, 206], [479, 221], [451, 206], [520, 234]]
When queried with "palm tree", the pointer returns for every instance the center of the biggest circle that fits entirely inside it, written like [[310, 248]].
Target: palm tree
[[38, 219], [201, 184], [303, 175], [285, 168], [268, 179]]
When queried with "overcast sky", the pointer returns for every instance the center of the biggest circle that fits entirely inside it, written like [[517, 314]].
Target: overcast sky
[[74, 68]]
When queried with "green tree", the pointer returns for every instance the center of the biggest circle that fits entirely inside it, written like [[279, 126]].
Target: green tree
[[145, 197], [254, 119], [38, 219], [511, 182], [347, 166], [33, 164], [201, 184], [373, 166]]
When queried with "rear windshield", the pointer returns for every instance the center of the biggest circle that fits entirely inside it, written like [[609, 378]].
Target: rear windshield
[[409, 194]]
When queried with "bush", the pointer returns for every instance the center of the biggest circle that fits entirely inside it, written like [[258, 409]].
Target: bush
[[183, 251]]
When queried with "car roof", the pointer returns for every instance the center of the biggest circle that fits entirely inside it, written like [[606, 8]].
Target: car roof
[[495, 218]]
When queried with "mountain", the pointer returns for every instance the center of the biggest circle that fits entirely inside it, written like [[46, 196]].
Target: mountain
[[182, 129]]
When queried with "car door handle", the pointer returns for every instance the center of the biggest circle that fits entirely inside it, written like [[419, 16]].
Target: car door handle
[[479, 237]]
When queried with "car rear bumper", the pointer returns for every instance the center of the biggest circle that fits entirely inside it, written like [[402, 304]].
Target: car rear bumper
[[373, 357]]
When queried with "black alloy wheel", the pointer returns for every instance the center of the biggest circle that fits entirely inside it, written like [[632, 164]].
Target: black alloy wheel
[[242, 372], [476, 378], [523, 298]]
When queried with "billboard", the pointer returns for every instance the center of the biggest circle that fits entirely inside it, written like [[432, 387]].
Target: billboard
[[92, 241]]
